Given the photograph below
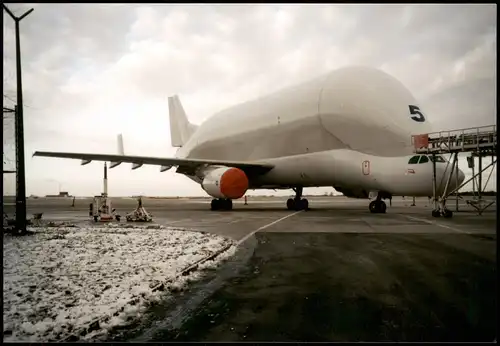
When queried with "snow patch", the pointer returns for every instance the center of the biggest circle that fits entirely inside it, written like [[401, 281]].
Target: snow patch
[[83, 281]]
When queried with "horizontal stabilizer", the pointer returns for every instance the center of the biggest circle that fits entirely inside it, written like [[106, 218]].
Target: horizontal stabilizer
[[248, 167]]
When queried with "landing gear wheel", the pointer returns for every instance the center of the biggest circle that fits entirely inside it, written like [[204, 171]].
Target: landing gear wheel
[[377, 207], [297, 203], [214, 205], [292, 204], [383, 207], [221, 204], [436, 213], [447, 213], [117, 217], [303, 204]]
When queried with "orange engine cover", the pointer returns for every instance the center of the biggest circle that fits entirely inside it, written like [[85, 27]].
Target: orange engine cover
[[226, 182], [233, 183]]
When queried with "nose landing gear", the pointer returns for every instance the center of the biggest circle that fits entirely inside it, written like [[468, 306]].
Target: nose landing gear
[[378, 206], [297, 203], [442, 211]]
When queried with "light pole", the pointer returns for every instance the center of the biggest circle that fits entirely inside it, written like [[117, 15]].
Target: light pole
[[20, 169], [6, 110]]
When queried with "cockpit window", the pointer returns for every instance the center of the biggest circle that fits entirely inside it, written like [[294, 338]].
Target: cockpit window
[[423, 159], [439, 158], [414, 160]]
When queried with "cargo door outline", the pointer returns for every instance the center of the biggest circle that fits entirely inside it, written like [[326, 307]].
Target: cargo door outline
[[365, 167]]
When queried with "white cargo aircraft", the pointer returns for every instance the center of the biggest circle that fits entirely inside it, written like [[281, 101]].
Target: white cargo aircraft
[[350, 129]]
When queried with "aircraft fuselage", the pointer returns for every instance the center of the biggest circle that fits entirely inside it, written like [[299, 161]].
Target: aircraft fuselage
[[349, 129]]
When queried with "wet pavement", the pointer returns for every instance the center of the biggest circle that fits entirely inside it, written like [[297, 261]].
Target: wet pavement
[[353, 287], [334, 273]]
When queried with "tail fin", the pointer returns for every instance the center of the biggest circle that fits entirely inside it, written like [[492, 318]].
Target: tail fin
[[120, 151], [120, 145], [180, 127]]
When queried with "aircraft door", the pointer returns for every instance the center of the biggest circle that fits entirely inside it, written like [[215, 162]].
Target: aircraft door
[[365, 167]]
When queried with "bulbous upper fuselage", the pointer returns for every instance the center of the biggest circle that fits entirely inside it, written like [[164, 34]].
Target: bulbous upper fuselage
[[358, 108]]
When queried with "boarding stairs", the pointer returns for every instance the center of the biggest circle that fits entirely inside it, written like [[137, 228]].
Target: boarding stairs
[[479, 141], [475, 139]]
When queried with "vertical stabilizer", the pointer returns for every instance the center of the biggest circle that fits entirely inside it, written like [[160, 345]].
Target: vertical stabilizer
[[180, 127], [120, 150], [120, 145]]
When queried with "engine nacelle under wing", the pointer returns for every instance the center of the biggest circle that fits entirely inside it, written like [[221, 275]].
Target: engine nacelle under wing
[[225, 182]]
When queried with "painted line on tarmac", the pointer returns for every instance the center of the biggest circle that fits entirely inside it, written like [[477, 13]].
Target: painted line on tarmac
[[177, 221], [266, 226], [435, 224]]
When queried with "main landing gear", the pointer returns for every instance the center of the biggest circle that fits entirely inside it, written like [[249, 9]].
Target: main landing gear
[[221, 204], [378, 206], [297, 203]]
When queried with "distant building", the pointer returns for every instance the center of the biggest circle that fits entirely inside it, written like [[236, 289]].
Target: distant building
[[61, 194]]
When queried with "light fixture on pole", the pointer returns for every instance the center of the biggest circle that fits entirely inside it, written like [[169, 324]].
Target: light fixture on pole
[[20, 169]]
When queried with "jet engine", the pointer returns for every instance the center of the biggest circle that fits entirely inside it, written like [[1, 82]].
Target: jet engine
[[225, 182]]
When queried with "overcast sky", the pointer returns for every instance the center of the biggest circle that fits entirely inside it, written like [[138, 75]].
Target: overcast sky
[[93, 71]]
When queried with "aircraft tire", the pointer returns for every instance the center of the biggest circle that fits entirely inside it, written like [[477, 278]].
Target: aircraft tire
[[221, 204], [382, 207], [290, 204], [303, 204], [436, 213], [214, 205], [447, 213], [377, 207]]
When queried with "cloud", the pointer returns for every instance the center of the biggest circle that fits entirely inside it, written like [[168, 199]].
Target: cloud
[[92, 71]]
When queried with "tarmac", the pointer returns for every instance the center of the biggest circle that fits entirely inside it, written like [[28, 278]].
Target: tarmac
[[333, 273]]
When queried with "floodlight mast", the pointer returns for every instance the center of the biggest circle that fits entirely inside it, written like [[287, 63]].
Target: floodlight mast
[[20, 167]]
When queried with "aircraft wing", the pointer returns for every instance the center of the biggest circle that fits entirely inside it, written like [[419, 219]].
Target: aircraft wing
[[186, 166]]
